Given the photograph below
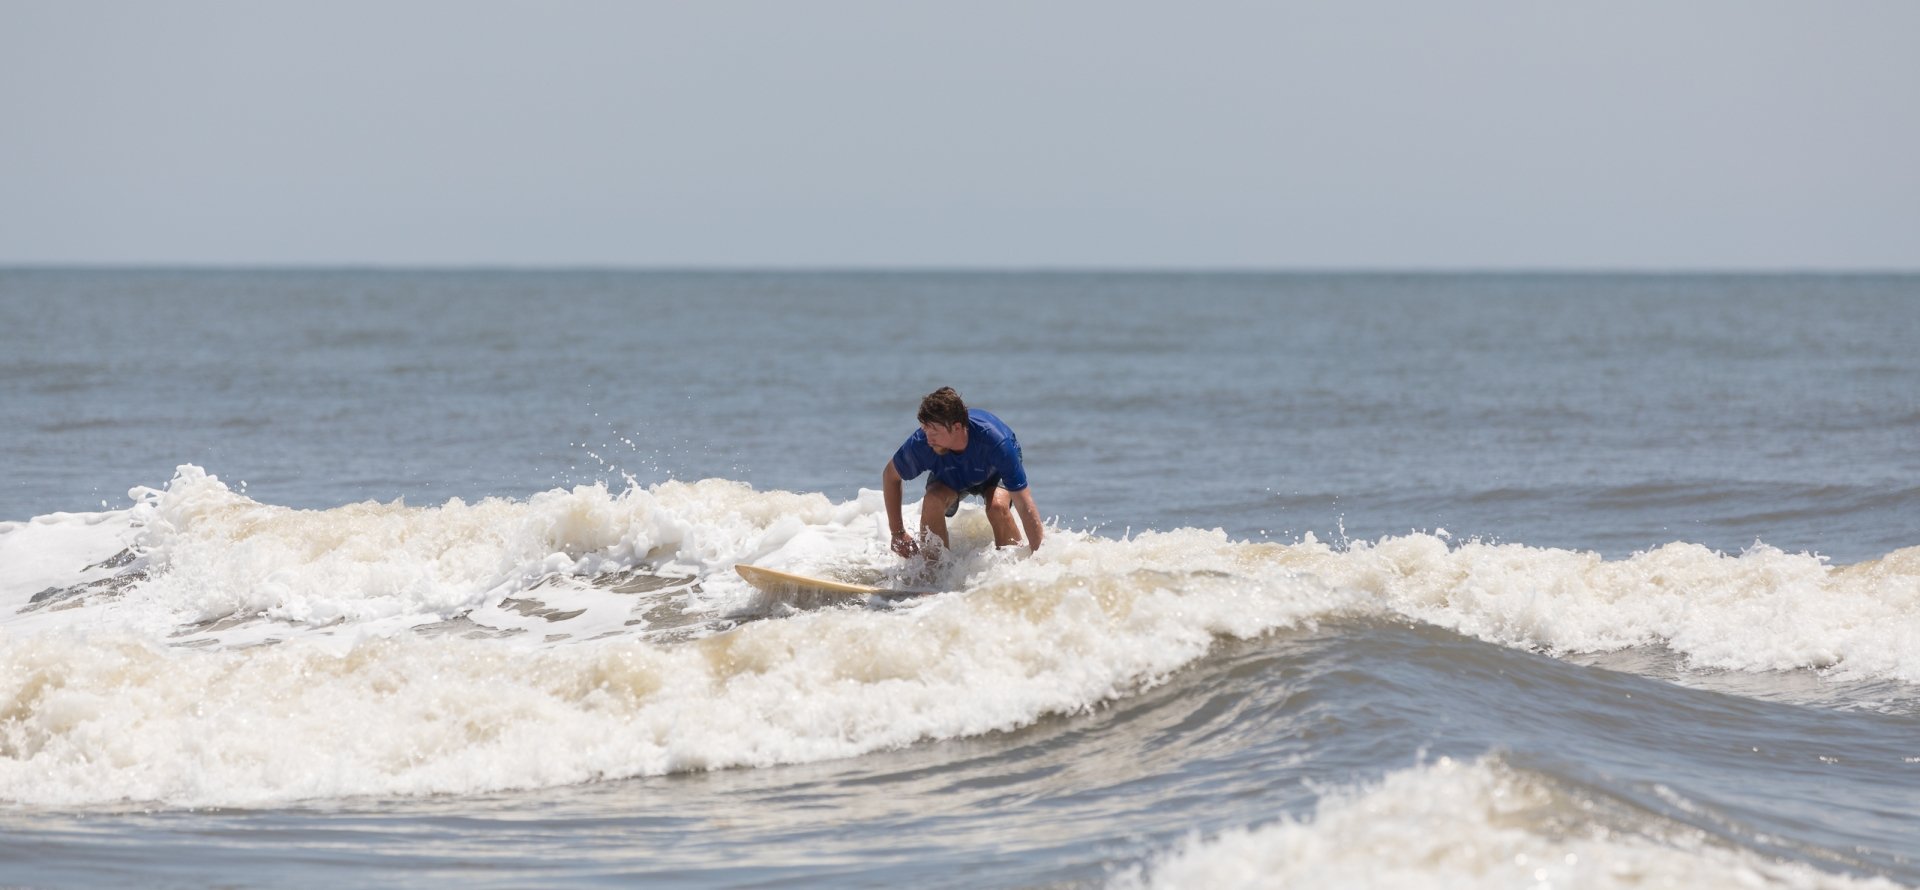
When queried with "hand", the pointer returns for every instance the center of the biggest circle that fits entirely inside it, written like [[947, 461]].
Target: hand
[[904, 544]]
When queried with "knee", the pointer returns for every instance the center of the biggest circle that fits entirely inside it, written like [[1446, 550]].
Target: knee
[[998, 510], [939, 495]]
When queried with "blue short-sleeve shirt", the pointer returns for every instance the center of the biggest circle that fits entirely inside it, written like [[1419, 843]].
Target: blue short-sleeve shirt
[[991, 450]]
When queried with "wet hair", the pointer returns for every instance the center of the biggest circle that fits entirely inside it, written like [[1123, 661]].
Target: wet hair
[[943, 406]]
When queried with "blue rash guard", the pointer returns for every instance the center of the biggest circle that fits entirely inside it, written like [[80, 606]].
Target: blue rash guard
[[991, 451]]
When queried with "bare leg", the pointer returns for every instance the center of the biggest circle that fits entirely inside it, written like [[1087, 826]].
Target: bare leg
[[1000, 516], [933, 511]]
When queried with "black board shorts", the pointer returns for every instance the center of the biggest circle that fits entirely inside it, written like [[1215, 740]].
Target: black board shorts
[[984, 490]]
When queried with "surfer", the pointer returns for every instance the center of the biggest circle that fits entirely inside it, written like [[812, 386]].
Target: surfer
[[967, 451]]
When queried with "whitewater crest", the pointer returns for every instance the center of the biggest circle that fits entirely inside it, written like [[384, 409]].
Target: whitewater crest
[[204, 565], [362, 690], [204, 648], [1761, 610], [1473, 823]]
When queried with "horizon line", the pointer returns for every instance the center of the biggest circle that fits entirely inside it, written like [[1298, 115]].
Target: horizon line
[[936, 269]]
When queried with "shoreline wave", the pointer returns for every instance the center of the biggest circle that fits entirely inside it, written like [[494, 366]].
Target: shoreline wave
[[212, 650]]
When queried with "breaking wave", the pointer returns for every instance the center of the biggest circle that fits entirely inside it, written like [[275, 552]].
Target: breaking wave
[[201, 648]]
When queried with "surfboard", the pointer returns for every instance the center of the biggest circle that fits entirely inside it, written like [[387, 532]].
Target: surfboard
[[776, 581]]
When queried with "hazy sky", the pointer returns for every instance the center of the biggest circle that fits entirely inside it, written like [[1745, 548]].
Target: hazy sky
[[1417, 134]]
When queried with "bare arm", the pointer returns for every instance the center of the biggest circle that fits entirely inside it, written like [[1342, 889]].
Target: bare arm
[[1029, 515], [896, 527]]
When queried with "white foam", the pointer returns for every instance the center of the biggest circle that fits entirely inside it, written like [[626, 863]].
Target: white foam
[[214, 554], [1473, 824], [57, 550], [97, 717], [100, 702], [1756, 611]]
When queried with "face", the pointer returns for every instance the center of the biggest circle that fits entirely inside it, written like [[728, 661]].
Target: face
[[946, 437]]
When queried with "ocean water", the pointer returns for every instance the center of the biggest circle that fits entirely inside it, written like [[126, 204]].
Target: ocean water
[[388, 578]]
